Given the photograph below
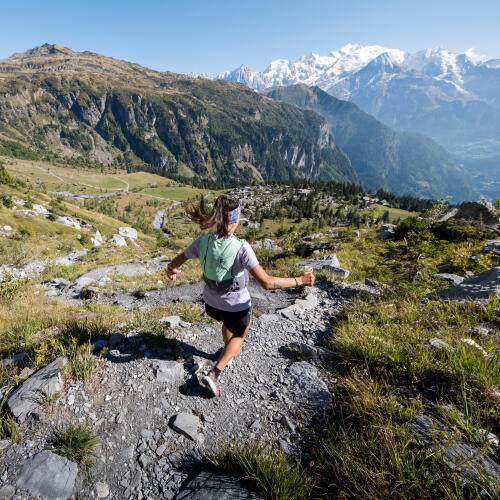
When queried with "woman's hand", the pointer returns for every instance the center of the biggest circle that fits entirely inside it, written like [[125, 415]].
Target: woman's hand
[[172, 273], [307, 279], [174, 268]]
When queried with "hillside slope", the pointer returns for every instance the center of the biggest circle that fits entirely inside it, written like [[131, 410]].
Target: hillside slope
[[404, 163], [84, 104]]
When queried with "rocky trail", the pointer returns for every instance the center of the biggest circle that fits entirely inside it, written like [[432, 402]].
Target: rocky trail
[[155, 423], [153, 419]]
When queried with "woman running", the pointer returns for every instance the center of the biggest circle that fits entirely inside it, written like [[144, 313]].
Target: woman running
[[226, 261]]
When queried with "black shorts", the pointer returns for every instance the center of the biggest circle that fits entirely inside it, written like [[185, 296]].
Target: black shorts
[[236, 322]]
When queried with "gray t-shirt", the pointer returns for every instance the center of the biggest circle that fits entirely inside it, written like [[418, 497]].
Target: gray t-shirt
[[230, 301]]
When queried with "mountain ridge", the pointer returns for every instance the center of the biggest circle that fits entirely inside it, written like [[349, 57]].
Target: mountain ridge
[[400, 162], [400, 89], [86, 104]]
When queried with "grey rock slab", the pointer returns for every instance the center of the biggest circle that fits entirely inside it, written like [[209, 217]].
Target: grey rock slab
[[310, 301], [187, 424], [453, 278], [305, 376], [437, 344], [470, 463], [26, 398], [387, 227], [492, 246], [47, 475], [207, 486], [169, 371], [479, 286], [312, 352], [325, 262], [171, 321], [71, 258], [4, 444], [385, 235]]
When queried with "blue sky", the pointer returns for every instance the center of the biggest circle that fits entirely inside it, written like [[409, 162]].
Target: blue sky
[[210, 36]]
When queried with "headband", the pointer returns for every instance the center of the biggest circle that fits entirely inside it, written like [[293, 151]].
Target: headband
[[234, 215]]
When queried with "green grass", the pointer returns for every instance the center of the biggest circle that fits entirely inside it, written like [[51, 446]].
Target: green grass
[[77, 443], [8, 425], [394, 213], [267, 471], [183, 193]]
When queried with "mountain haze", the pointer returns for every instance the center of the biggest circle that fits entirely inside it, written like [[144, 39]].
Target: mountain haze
[[85, 104], [404, 163]]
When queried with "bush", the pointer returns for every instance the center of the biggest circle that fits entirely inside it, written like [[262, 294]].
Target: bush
[[9, 287], [459, 230], [7, 201], [5, 177], [411, 224], [451, 230]]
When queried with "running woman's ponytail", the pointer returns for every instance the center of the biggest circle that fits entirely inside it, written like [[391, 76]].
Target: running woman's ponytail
[[218, 216]]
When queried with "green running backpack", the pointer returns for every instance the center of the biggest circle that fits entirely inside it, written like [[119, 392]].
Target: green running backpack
[[217, 256]]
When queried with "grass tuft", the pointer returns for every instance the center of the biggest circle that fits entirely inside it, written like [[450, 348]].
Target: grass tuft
[[77, 443], [8, 425], [267, 471]]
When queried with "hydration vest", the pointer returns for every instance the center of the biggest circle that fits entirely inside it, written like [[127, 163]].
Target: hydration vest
[[217, 256]]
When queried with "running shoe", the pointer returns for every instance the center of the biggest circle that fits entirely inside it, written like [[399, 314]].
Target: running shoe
[[211, 382]]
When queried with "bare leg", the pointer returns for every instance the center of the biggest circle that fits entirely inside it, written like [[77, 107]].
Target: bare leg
[[226, 335], [232, 347]]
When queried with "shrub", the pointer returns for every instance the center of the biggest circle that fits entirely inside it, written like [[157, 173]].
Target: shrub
[[7, 201], [5, 177], [84, 239], [459, 230], [25, 232], [9, 287]]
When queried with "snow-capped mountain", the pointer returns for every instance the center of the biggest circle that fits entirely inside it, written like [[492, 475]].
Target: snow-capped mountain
[[330, 71], [454, 98]]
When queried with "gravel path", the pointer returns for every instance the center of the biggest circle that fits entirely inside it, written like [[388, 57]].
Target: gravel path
[[155, 421]]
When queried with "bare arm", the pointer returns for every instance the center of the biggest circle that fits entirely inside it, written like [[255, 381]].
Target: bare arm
[[273, 282], [173, 268]]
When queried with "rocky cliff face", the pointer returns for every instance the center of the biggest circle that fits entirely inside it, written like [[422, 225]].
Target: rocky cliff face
[[87, 104], [399, 162]]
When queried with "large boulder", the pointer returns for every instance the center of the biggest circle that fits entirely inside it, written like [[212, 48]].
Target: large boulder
[[26, 398], [47, 475], [480, 286], [207, 486], [481, 211]]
